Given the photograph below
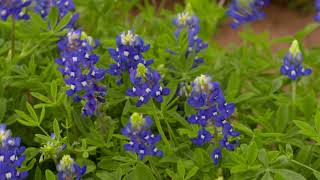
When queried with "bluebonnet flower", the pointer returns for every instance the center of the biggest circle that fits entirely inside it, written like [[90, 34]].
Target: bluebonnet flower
[[189, 21], [128, 54], [14, 8], [292, 63], [78, 65], [146, 85], [11, 155], [52, 149], [69, 169], [142, 140], [213, 111], [216, 155], [43, 7], [317, 17], [203, 137], [244, 11]]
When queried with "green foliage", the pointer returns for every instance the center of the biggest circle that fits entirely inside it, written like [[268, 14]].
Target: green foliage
[[279, 137]]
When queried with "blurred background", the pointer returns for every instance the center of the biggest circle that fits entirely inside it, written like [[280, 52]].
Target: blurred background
[[284, 19]]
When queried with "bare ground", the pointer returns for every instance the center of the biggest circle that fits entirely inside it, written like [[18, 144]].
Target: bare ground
[[280, 21]]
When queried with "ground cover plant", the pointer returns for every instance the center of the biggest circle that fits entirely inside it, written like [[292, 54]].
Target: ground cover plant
[[130, 89]]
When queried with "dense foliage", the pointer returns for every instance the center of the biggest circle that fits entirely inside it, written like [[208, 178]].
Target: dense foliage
[[117, 89]]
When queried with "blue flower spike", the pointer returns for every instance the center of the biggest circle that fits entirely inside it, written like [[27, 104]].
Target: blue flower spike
[[11, 155], [142, 140], [245, 11], [69, 169], [190, 21], [78, 65], [292, 63], [43, 8], [317, 16], [213, 111], [14, 8], [128, 54], [146, 85]]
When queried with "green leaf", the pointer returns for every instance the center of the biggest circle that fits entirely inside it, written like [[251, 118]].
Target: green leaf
[[263, 158], [267, 176], [252, 152], [53, 89], [192, 172], [288, 174], [43, 112], [282, 117], [141, 172], [316, 174], [105, 175], [53, 16], [306, 31], [64, 22], [306, 128], [3, 108], [276, 84], [32, 112], [56, 128], [41, 97], [244, 97], [233, 85], [181, 169], [38, 174], [50, 175], [317, 121], [26, 119]]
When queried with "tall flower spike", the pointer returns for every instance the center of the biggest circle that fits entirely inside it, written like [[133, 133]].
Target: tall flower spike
[[292, 63], [244, 11], [43, 7], [142, 140], [78, 65], [189, 21], [14, 8], [213, 110], [317, 16], [69, 169], [146, 85], [11, 155], [128, 54]]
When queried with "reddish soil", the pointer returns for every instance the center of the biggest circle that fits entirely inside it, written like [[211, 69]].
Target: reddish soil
[[280, 21]]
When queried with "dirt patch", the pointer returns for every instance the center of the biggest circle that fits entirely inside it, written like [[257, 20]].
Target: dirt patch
[[280, 21]]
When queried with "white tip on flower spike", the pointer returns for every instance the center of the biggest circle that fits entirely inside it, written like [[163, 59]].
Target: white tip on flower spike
[[128, 38], [202, 82], [183, 18]]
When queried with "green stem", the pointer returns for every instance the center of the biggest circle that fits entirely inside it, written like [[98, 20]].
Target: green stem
[[13, 37], [159, 127], [303, 165], [44, 131], [294, 94]]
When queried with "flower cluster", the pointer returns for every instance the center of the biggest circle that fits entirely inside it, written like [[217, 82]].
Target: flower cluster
[[78, 65], [213, 112], [14, 8], [69, 169], [317, 17], [146, 85], [128, 54], [11, 155], [129, 59], [51, 149], [292, 63], [189, 21], [43, 7], [243, 11], [142, 141]]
